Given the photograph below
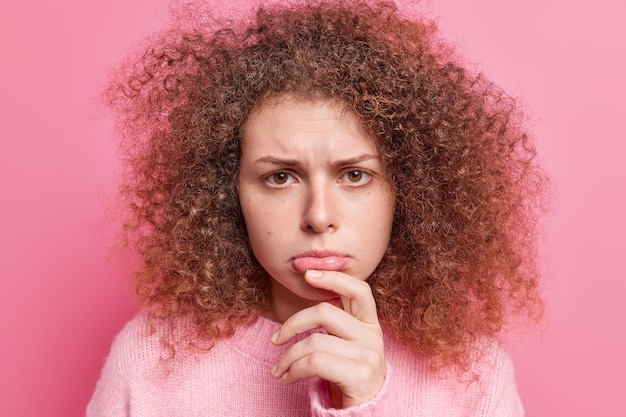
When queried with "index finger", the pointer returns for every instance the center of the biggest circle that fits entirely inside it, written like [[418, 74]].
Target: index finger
[[356, 295]]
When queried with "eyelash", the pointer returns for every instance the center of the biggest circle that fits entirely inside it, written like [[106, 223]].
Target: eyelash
[[364, 178]]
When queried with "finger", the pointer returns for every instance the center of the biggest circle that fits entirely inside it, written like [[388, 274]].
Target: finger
[[315, 343], [358, 381], [346, 304], [332, 319], [356, 295], [329, 367]]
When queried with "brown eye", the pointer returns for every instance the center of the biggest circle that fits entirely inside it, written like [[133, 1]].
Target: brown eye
[[279, 178], [355, 177]]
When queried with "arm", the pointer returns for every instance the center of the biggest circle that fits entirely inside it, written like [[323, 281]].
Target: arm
[[111, 396], [504, 399]]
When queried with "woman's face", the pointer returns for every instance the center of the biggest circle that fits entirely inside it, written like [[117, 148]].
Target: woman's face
[[314, 196]]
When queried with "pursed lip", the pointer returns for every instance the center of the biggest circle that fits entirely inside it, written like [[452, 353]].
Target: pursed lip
[[319, 254], [324, 260]]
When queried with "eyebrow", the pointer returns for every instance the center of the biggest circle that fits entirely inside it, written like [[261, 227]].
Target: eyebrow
[[296, 162]]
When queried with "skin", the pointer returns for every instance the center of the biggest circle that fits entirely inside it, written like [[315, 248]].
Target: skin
[[318, 211]]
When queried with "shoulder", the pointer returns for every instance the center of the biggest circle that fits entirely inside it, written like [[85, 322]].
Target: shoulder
[[494, 371], [134, 331], [132, 349], [490, 363], [147, 344], [138, 332], [487, 358], [139, 342], [486, 387], [139, 364]]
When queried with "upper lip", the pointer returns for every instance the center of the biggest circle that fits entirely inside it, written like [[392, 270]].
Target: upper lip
[[318, 254]]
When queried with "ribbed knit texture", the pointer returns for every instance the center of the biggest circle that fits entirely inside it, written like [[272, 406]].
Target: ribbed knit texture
[[233, 379]]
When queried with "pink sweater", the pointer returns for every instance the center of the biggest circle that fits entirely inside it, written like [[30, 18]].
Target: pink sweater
[[233, 379]]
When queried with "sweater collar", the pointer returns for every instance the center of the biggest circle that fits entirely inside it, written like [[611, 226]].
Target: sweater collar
[[254, 340]]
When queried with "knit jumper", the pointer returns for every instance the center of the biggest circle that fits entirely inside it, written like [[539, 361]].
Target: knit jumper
[[141, 378]]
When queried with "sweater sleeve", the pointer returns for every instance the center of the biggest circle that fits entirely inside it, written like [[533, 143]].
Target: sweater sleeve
[[111, 397], [488, 391], [504, 400], [384, 404]]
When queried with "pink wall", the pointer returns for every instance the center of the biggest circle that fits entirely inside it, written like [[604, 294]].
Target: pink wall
[[62, 301]]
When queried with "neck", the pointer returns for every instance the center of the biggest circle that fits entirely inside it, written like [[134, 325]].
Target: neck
[[284, 303]]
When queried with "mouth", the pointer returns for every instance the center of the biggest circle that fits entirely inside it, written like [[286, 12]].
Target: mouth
[[319, 260]]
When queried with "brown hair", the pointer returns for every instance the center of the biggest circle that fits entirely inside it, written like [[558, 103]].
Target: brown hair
[[461, 257]]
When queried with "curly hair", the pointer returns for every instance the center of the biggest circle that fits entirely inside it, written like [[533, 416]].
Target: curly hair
[[462, 257]]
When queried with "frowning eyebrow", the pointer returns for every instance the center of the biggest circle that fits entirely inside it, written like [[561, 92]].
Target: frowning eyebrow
[[297, 162], [278, 161]]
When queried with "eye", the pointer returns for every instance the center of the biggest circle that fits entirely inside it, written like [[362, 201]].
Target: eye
[[355, 177], [278, 179]]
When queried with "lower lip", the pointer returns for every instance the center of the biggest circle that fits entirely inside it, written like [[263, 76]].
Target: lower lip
[[326, 263]]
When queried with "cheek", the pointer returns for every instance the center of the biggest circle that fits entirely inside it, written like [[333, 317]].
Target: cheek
[[260, 224], [249, 216], [268, 241], [385, 210], [254, 230], [248, 205], [386, 224]]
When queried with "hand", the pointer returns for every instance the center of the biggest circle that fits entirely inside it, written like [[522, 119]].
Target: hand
[[351, 356]]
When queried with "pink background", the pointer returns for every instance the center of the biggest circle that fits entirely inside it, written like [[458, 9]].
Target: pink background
[[62, 300]]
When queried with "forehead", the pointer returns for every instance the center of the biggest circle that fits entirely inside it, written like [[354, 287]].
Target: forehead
[[290, 122]]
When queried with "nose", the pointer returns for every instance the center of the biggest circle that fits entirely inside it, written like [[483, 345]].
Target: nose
[[320, 213]]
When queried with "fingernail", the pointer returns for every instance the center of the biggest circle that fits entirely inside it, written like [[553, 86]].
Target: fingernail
[[273, 370], [274, 337], [314, 274]]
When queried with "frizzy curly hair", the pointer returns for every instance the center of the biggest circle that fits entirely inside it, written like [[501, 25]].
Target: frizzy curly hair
[[462, 257]]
